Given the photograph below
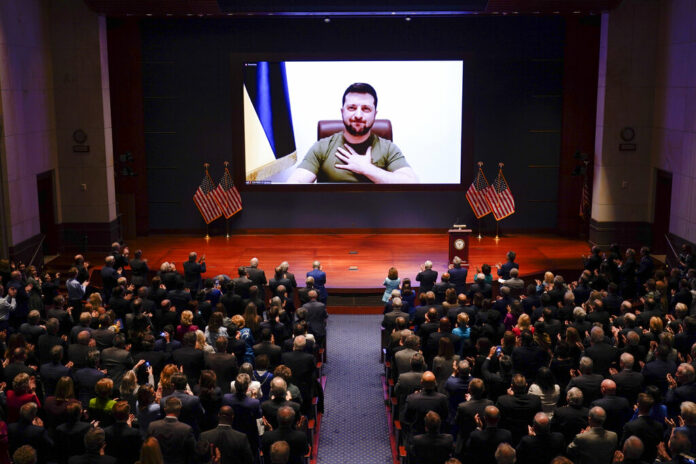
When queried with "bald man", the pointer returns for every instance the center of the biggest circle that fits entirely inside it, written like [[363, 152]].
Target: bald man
[[420, 403], [540, 445], [483, 443], [618, 409], [595, 445]]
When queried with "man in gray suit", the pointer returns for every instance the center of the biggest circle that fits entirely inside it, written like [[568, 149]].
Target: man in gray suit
[[234, 446], [175, 438], [594, 445], [316, 317]]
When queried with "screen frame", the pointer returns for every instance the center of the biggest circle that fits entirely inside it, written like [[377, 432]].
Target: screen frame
[[237, 120]]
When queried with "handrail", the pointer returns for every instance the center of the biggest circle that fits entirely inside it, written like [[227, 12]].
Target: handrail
[[674, 252], [31, 261]]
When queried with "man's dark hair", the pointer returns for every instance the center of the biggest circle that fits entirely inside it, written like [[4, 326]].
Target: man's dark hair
[[360, 87], [56, 353], [189, 339], [432, 422], [119, 341], [172, 405], [25, 454], [94, 440], [179, 381]]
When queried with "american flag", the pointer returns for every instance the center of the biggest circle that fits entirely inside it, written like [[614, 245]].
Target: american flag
[[500, 197], [475, 197], [205, 201], [228, 196], [585, 199]]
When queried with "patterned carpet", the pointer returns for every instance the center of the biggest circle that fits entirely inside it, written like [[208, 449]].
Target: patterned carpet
[[354, 428]]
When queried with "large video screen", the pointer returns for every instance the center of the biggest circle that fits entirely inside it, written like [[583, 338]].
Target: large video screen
[[370, 122]]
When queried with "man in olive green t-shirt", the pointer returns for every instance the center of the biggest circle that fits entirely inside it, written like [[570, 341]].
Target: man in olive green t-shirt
[[356, 154]]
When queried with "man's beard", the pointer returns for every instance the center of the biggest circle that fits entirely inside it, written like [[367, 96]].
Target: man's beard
[[358, 133]]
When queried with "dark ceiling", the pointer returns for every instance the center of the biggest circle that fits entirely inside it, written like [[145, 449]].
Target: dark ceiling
[[346, 7]]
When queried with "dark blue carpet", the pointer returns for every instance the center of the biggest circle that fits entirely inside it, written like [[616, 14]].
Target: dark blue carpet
[[354, 427]]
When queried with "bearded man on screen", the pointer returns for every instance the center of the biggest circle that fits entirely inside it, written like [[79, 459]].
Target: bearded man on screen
[[356, 154]]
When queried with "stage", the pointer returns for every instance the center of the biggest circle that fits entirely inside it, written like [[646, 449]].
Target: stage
[[358, 262]]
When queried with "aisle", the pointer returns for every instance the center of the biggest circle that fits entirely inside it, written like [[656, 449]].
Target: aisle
[[353, 428]]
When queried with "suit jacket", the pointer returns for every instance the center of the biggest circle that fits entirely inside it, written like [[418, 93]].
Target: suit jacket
[[85, 380], [484, 288], [233, 445], [192, 274], [504, 271], [296, 439], [116, 361], [458, 278], [589, 384], [596, 446], [629, 384], [246, 411], [50, 374], [123, 442], [417, 406], [655, 373], [431, 448], [175, 439], [192, 360], [676, 396], [603, 356], [527, 360], [540, 449], [91, 458], [483, 443], [191, 409], [139, 272], [440, 290], [225, 367], [319, 283], [78, 355], [466, 422], [269, 410], [242, 285], [402, 361], [569, 420], [257, 276], [427, 279], [649, 431], [618, 410], [316, 318], [157, 360], [70, 439], [516, 412], [303, 372], [271, 350], [21, 433]]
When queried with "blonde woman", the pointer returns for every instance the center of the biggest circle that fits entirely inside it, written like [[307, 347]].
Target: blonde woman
[[186, 325], [202, 343]]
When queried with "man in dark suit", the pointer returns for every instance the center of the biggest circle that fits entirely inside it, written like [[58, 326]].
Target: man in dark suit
[[296, 439], [18, 365], [458, 272], [529, 357], [316, 317], [389, 320], [303, 369], [517, 410], [175, 438], [191, 359], [465, 418], [270, 408], [256, 275], [427, 277], [645, 427], [117, 360], [156, 359], [87, 377], [109, 275], [139, 269], [267, 347], [193, 268], [571, 419], [655, 372], [62, 315], [233, 445], [70, 436], [595, 445], [444, 331], [319, 276], [681, 388], [409, 382], [432, 447], [541, 445], [284, 266], [246, 410], [504, 269], [122, 441], [480, 286], [440, 288], [24, 432], [483, 443], [602, 354], [103, 336], [191, 410], [53, 370], [589, 383], [628, 382], [77, 352], [95, 442], [224, 364], [242, 283], [418, 404], [618, 409], [612, 302]]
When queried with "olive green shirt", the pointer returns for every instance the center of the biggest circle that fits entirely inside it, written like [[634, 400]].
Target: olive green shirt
[[321, 159]]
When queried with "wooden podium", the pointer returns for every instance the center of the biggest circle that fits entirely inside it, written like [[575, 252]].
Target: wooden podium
[[459, 244]]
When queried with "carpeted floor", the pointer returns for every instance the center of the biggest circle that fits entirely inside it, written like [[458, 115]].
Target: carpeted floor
[[354, 429]]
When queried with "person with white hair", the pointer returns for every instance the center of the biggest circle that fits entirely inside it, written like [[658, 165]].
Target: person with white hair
[[458, 272], [256, 275], [427, 277]]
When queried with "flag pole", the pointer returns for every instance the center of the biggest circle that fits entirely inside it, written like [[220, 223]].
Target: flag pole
[[478, 220], [207, 235], [227, 220], [497, 223]]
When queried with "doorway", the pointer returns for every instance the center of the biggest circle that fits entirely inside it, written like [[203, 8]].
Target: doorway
[[663, 204], [47, 211]]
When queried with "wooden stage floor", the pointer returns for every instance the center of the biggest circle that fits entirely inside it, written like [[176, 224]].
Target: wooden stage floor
[[372, 254]]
